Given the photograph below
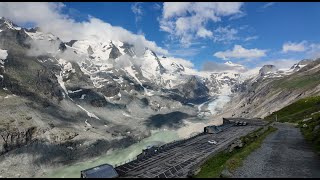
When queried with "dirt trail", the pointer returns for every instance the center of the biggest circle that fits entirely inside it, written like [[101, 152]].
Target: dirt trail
[[284, 153]]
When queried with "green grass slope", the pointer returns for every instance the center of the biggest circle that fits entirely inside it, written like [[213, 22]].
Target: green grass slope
[[306, 113], [297, 111]]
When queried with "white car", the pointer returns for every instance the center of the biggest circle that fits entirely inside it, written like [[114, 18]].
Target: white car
[[212, 142]]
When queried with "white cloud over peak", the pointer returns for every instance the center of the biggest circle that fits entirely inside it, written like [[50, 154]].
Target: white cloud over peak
[[212, 66], [291, 46], [49, 17], [187, 21], [184, 62], [280, 63], [240, 52]]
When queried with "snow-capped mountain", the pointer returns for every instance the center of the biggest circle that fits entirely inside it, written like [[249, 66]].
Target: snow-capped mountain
[[90, 79], [87, 92]]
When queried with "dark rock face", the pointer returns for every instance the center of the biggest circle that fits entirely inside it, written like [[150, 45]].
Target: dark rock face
[[114, 53], [194, 89], [267, 69], [160, 66], [16, 40], [28, 77], [15, 138], [128, 49], [110, 90], [62, 47], [70, 43], [90, 51], [77, 79], [98, 102], [145, 101], [300, 64]]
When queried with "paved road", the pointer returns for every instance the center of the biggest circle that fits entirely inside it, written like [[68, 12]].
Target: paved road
[[284, 153]]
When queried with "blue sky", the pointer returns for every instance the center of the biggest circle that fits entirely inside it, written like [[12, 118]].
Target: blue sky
[[250, 33], [270, 25]]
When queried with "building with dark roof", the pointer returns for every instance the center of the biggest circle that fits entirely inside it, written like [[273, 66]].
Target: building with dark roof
[[101, 171]]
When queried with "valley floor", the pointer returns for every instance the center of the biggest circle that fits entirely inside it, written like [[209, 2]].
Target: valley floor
[[284, 153]]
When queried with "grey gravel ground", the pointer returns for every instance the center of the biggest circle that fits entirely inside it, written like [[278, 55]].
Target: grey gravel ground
[[284, 153]]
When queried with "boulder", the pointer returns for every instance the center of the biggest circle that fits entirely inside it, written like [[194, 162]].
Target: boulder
[[226, 173]]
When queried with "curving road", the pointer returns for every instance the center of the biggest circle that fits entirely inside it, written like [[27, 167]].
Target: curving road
[[284, 153]]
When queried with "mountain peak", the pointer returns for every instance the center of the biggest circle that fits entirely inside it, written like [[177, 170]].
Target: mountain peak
[[267, 69], [4, 22], [301, 64]]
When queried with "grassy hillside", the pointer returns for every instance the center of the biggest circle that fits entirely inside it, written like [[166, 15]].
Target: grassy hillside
[[305, 112], [297, 111]]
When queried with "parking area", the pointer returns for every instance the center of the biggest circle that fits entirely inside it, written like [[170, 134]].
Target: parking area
[[178, 158]]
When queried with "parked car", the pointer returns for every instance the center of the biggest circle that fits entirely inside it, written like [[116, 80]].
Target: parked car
[[212, 142]]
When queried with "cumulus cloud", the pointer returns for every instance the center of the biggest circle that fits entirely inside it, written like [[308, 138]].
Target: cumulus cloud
[[220, 67], [49, 17], [187, 21], [239, 52], [291, 46], [311, 50]]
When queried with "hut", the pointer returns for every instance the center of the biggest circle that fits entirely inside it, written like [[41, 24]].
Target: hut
[[212, 129]]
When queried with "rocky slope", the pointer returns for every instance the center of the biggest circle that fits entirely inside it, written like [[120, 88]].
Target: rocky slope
[[273, 89]]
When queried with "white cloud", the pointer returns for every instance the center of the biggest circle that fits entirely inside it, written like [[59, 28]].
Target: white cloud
[[314, 51], [49, 17], [137, 10], [184, 62], [238, 15], [186, 52], [251, 38], [280, 63], [202, 32], [268, 5], [156, 6], [225, 34], [221, 67], [175, 9], [239, 52], [297, 47], [187, 21]]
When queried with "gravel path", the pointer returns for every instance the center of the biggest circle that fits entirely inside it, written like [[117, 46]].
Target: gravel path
[[283, 153]]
